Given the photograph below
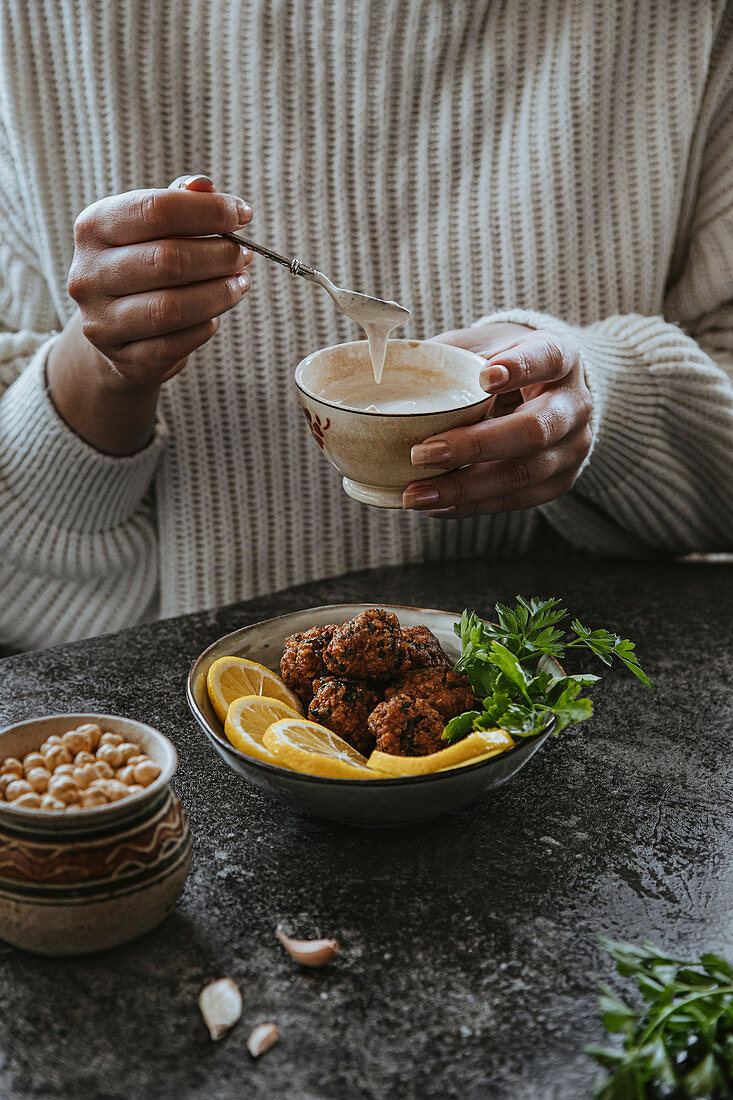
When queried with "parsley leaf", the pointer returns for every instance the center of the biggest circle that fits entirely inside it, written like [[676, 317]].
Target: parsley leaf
[[680, 1041], [502, 662]]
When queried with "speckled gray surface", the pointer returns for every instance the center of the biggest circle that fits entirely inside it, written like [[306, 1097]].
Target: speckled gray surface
[[469, 961]]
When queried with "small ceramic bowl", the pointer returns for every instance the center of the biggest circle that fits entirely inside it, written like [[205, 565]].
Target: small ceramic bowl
[[73, 883], [371, 449], [374, 803]]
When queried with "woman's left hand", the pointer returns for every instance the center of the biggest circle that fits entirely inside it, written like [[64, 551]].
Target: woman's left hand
[[532, 446]]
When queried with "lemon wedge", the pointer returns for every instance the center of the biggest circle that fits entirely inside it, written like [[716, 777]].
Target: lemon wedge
[[304, 746], [231, 678], [247, 720], [475, 746]]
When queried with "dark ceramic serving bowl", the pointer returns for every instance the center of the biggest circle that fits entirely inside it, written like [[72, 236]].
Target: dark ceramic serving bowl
[[376, 803]]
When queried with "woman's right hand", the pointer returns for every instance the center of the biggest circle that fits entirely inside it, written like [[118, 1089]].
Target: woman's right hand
[[151, 278]]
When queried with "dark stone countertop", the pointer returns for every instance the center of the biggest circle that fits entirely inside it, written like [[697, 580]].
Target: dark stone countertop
[[469, 957]]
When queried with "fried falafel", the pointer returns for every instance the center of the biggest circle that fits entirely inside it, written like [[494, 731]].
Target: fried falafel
[[404, 726], [422, 650], [446, 690], [367, 647], [302, 660], [344, 707]]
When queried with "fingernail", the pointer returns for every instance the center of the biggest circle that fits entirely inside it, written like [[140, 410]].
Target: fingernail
[[422, 495], [243, 281], [244, 213], [198, 179], [430, 454], [247, 256], [442, 511], [493, 376]]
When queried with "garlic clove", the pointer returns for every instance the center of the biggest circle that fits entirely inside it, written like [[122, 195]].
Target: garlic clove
[[221, 1006], [262, 1038], [309, 952]]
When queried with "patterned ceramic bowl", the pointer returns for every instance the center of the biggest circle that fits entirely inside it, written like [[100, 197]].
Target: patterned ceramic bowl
[[73, 883], [371, 449]]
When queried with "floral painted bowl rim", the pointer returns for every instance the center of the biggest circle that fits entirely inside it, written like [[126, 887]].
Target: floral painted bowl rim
[[375, 412], [165, 756]]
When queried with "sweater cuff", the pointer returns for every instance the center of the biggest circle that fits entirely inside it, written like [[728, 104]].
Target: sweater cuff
[[655, 471], [54, 474]]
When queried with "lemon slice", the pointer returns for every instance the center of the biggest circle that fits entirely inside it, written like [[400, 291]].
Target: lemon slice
[[305, 746], [230, 678], [247, 720], [467, 751]]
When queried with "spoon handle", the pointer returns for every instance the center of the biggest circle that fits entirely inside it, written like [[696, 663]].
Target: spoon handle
[[296, 267]]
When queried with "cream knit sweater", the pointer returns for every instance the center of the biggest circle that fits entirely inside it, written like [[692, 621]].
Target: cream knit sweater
[[566, 163]]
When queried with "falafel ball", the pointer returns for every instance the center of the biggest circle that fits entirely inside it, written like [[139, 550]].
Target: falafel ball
[[422, 650], [406, 727], [344, 707], [368, 647], [302, 660], [446, 690]]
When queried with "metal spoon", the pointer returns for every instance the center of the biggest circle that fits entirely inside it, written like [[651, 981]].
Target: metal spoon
[[349, 302]]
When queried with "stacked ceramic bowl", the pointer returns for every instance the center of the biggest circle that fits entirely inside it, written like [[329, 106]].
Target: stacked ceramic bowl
[[76, 882]]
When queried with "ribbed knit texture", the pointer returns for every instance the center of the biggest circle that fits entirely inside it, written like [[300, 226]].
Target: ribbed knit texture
[[572, 161]]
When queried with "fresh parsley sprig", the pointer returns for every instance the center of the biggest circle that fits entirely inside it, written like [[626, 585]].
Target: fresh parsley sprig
[[680, 1043], [507, 666]]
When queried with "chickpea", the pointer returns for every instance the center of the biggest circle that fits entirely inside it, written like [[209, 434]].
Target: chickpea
[[11, 766], [116, 790], [103, 769], [5, 781], [126, 750], [93, 797], [16, 789], [38, 779], [146, 772], [48, 802], [54, 739], [64, 769], [32, 760], [30, 800], [85, 774], [134, 788], [63, 787], [112, 739], [139, 759], [77, 741], [57, 754], [94, 732], [84, 758], [125, 775], [110, 754]]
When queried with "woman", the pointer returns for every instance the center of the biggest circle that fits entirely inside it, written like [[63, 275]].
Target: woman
[[557, 171]]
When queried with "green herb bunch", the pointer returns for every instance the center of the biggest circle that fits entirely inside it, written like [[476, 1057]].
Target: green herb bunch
[[507, 666], [680, 1044]]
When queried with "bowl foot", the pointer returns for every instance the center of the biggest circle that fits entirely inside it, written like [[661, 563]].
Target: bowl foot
[[375, 495]]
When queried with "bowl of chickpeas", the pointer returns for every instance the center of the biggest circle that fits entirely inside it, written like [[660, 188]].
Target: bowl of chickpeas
[[94, 846]]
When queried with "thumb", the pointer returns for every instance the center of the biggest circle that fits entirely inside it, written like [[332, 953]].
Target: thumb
[[193, 183]]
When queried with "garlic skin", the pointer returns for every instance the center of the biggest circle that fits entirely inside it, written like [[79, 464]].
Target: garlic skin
[[221, 1006], [309, 952], [262, 1038]]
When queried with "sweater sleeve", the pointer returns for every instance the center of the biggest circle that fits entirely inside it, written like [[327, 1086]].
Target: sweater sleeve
[[660, 473], [78, 548]]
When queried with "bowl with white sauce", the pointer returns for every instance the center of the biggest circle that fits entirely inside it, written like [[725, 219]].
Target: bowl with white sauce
[[366, 429]]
